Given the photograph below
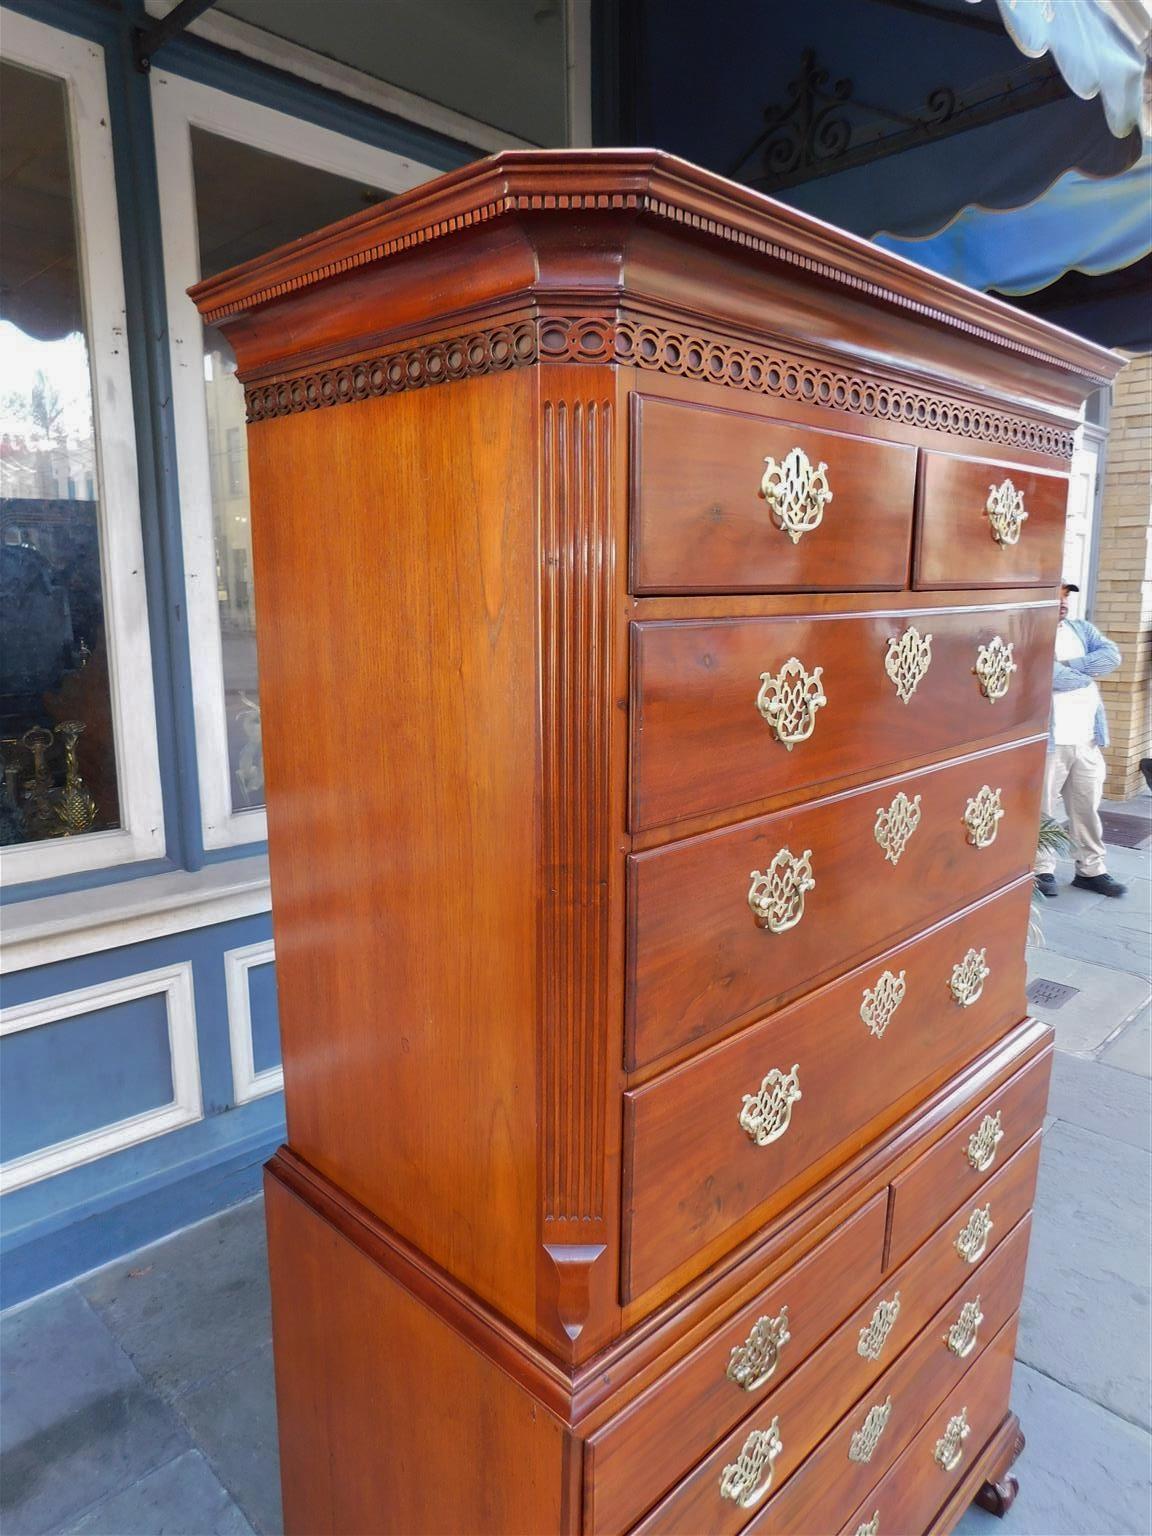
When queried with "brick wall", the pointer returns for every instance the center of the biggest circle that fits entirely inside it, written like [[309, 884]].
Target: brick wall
[[1123, 597]]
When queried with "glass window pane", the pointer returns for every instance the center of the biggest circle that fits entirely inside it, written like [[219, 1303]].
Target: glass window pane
[[56, 737], [247, 201]]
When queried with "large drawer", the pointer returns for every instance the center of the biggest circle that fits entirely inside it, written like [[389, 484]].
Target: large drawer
[[711, 514], [704, 952], [815, 1479], [725, 712], [952, 1176], [696, 1160], [703, 1396], [970, 531]]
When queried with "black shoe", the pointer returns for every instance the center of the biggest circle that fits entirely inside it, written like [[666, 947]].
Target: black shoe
[[1146, 770], [1046, 885], [1103, 885]]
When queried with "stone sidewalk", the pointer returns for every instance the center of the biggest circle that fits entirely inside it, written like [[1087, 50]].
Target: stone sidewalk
[[138, 1400]]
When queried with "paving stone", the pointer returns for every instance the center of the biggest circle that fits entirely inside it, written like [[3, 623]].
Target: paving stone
[[1084, 1472], [1106, 944], [1085, 1319], [77, 1423], [183, 1498], [1106, 998], [233, 1420], [192, 1306], [1101, 1099], [1131, 1050]]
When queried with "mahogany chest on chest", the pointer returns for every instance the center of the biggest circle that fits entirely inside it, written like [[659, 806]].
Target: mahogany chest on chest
[[657, 594]]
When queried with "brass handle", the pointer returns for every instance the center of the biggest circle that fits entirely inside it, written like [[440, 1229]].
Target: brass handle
[[767, 1113], [788, 701], [949, 1450], [968, 978], [752, 1363], [973, 1238], [895, 825], [907, 660], [796, 492], [961, 1337], [994, 668], [776, 897], [870, 1527], [875, 1335], [743, 1480], [862, 1446], [1006, 514], [983, 1142], [982, 817], [880, 1002]]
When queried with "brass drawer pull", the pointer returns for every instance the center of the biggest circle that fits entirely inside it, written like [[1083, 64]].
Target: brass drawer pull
[[968, 978], [870, 1527], [895, 825], [982, 817], [767, 1114], [752, 1363], [875, 1335], [982, 1143], [1006, 514], [880, 1002], [796, 492], [740, 1481], [776, 897], [862, 1446], [994, 668], [907, 660], [788, 701], [974, 1234], [961, 1337], [949, 1450]]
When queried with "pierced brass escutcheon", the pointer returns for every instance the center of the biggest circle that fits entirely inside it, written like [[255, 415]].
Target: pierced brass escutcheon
[[776, 897], [862, 1446], [895, 825], [968, 978], [870, 1527], [796, 492], [753, 1363], [982, 816], [973, 1238], [767, 1113], [1006, 514], [994, 668], [961, 1337], [949, 1450], [907, 660], [875, 1335], [881, 1001], [788, 701], [982, 1143], [743, 1480]]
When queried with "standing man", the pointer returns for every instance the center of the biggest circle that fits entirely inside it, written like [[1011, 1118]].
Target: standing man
[[1074, 772]]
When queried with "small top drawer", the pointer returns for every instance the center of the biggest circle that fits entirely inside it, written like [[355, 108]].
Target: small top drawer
[[724, 501], [983, 523]]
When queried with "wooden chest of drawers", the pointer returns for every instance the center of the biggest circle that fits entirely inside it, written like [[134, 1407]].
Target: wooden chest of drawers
[[657, 597]]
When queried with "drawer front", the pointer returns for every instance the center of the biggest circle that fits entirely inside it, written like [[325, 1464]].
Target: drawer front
[[711, 1141], [952, 1176], [814, 1480], [724, 501], [708, 945], [714, 1387], [983, 523], [928, 1473], [730, 712]]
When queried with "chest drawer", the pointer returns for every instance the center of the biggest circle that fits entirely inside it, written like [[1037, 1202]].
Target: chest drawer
[[721, 1137], [714, 1387], [952, 1176], [727, 712], [984, 523], [814, 1479], [726, 501], [729, 925]]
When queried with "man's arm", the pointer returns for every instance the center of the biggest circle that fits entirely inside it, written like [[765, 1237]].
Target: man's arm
[[1065, 678], [1100, 657]]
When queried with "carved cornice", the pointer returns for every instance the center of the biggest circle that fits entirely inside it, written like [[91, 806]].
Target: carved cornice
[[635, 342]]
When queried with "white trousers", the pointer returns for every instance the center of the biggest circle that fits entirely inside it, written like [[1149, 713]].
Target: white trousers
[[1074, 782]]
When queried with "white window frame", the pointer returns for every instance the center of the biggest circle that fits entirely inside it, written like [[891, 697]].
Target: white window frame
[[178, 105], [80, 64]]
